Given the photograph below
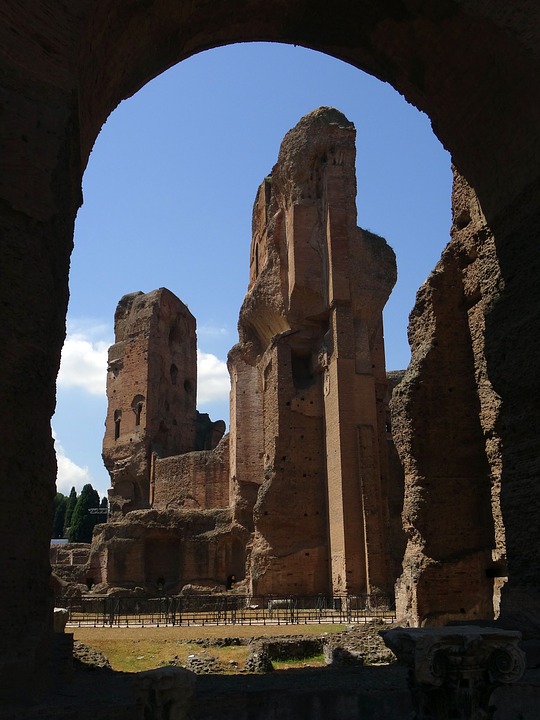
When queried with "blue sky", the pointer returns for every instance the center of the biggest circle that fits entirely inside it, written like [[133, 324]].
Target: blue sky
[[168, 195]]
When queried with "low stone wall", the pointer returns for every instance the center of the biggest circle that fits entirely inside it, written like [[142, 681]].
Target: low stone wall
[[70, 554]]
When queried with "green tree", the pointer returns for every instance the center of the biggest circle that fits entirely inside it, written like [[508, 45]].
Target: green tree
[[82, 521], [72, 501], [59, 515]]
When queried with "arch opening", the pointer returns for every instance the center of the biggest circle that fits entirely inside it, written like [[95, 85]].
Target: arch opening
[[302, 366], [459, 225]]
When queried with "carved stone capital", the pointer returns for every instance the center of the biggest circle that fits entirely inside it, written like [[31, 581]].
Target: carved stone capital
[[457, 668]]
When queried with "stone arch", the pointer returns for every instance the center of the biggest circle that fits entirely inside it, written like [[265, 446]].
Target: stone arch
[[121, 50], [469, 66]]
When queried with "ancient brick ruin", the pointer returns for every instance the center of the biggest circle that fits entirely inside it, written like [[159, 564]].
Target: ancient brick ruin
[[295, 498], [473, 68]]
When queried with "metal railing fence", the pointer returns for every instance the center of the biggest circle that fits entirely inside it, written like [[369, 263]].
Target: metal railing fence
[[225, 609]]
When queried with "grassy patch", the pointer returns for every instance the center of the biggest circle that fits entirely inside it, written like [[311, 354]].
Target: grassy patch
[[143, 648], [314, 661]]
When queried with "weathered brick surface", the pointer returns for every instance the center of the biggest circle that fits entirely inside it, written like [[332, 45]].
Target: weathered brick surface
[[445, 425], [193, 480], [311, 326], [198, 547], [151, 391]]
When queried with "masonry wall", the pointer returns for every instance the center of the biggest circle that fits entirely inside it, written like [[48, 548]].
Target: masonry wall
[[290, 553], [196, 480], [246, 437]]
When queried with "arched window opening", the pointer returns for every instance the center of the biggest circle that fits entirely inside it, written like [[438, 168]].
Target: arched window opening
[[117, 422], [137, 405]]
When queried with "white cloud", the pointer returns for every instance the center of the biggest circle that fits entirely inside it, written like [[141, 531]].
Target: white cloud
[[84, 362], [69, 473], [213, 383]]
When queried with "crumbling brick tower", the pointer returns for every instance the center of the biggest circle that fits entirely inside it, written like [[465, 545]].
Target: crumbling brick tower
[[152, 389], [308, 436]]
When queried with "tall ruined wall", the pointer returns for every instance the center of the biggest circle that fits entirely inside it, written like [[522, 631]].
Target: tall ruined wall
[[151, 389], [445, 415], [396, 537], [246, 434], [314, 472]]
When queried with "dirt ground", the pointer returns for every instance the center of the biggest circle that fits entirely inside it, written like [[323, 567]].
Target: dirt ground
[[193, 632]]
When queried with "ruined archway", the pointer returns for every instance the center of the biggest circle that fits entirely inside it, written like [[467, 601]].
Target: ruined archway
[[470, 67]]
